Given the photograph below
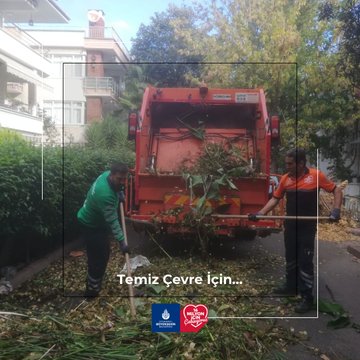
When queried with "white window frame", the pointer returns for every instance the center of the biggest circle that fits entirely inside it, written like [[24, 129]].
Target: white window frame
[[71, 70], [54, 109]]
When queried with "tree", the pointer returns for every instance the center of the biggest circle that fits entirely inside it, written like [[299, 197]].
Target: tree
[[350, 49], [350, 65], [51, 134], [135, 84], [110, 134], [347, 15], [293, 54], [157, 46]]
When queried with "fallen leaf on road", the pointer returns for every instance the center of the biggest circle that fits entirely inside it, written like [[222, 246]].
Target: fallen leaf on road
[[249, 339], [76, 253]]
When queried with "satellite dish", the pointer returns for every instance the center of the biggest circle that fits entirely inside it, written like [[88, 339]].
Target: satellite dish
[[94, 15]]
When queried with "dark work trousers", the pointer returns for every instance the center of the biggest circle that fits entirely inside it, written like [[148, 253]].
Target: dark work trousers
[[98, 250], [299, 253]]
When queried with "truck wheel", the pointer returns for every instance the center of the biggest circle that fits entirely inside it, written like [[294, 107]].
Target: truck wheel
[[138, 228], [246, 234], [264, 233]]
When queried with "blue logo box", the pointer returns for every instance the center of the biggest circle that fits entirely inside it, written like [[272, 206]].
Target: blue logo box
[[165, 317]]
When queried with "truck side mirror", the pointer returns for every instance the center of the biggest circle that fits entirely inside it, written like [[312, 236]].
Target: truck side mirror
[[133, 124], [275, 127]]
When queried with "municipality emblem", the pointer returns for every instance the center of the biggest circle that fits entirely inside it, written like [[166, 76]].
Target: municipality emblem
[[165, 315]]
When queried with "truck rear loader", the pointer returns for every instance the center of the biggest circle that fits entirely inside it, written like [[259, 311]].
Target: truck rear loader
[[174, 131]]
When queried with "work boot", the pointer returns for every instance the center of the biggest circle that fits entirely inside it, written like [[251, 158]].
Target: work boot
[[305, 305], [93, 287], [286, 290], [91, 294]]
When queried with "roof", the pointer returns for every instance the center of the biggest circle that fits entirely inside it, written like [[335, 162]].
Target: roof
[[39, 11]]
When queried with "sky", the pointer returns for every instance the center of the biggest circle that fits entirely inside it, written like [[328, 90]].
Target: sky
[[125, 16]]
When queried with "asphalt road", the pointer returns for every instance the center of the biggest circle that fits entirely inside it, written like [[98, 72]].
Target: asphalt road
[[338, 281]]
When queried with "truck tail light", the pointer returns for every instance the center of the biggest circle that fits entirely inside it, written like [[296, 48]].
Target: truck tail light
[[275, 127], [133, 123]]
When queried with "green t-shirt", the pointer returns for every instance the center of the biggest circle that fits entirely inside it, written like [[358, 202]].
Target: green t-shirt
[[100, 207]]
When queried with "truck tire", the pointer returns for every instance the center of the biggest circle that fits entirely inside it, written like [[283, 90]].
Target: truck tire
[[246, 234]]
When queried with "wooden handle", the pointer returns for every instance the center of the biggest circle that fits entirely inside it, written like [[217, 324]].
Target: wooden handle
[[127, 258], [272, 217]]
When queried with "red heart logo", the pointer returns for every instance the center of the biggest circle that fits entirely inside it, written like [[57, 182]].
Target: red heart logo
[[193, 317]]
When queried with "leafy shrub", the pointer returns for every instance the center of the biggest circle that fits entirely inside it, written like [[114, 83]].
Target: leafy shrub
[[109, 134], [35, 214]]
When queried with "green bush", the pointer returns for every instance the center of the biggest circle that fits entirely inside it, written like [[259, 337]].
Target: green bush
[[111, 133], [37, 215]]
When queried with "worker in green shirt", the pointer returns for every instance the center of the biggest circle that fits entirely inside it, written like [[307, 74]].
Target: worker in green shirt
[[98, 217]]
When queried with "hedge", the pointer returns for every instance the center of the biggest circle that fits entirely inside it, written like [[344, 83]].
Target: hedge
[[35, 219]]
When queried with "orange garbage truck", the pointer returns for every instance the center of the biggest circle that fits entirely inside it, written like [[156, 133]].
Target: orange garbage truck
[[190, 140]]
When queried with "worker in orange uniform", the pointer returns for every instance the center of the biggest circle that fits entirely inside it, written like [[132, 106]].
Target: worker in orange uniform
[[301, 185]]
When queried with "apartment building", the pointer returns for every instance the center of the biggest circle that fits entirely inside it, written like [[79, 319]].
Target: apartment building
[[73, 76], [23, 68], [88, 70]]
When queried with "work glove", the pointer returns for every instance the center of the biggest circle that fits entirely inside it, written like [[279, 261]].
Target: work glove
[[334, 215], [254, 217], [124, 248], [121, 196]]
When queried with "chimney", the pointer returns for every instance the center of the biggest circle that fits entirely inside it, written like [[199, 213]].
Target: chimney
[[96, 24]]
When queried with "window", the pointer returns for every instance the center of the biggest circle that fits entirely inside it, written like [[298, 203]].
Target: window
[[74, 112], [78, 70], [70, 70], [77, 110]]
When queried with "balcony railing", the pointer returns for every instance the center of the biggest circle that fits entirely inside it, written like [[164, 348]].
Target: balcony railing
[[20, 120], [14, 88], [14, 31], [25, 52], [99, 32], [100, 86]]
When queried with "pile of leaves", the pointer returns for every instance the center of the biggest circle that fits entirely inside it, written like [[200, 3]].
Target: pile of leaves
[[52, 326], [217, 159], [215, 169], [340, 231]]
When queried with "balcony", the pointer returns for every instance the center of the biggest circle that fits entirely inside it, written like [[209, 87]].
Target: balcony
[[20, 121], [106, 39], [100, 86], [14, 88], [19, 47]]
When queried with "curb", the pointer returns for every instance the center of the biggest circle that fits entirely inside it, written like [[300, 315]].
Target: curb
[[35, 267], [354, 251]]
